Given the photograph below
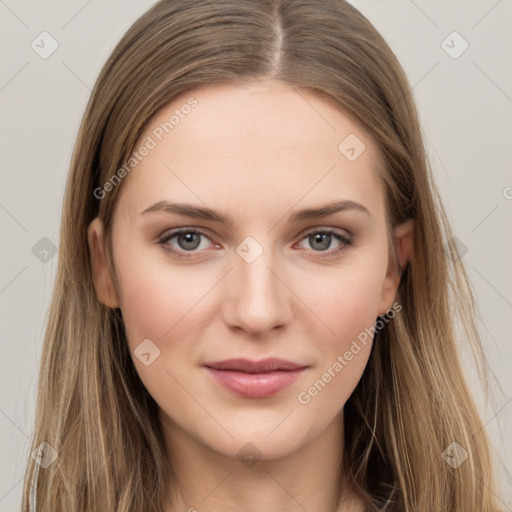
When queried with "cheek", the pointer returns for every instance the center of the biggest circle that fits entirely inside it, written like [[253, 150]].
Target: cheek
[[158, 298], [347, 302], [346, 299], [163, 303]]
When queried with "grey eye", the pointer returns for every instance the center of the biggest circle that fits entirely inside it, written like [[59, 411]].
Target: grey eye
[[320, 241], [188, 241]]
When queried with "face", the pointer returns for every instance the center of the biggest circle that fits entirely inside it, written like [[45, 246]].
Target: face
[[262, 279]]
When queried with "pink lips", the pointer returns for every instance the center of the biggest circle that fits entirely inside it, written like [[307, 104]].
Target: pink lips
[[255, 379]]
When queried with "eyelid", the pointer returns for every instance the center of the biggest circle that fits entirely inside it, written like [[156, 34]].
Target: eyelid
[[331, 229]]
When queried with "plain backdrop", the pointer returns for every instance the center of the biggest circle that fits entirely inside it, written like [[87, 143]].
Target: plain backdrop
[[464, 96]]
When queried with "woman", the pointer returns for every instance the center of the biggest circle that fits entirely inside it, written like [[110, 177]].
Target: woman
[[202, 352]]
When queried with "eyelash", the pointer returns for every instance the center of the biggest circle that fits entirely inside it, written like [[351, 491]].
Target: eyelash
[[172, 234]]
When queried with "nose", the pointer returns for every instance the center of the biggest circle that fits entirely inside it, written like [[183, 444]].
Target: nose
[[257, 299]]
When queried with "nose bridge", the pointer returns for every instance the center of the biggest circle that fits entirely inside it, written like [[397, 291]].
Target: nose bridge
[[258, 300]]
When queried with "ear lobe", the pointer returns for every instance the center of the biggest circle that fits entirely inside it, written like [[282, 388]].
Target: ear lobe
[[404, 243], [103, 283]]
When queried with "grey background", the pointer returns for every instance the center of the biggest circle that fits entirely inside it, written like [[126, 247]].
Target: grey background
[[465, 105]]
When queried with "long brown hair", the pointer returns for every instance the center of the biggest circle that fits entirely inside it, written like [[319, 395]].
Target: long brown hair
[[412, 401]]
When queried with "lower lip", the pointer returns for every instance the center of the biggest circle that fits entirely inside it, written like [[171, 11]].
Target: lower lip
[[255, 385]]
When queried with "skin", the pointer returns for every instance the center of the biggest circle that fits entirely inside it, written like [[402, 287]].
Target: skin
[[257, 153]]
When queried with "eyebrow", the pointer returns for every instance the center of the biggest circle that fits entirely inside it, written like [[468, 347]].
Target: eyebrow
[[205, 213]]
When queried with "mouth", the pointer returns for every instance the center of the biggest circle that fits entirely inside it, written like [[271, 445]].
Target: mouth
[[255, 379]]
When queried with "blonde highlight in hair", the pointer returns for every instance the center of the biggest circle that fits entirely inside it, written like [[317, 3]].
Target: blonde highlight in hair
[[412, 400]]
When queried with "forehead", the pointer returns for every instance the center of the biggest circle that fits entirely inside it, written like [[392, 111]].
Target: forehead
[[264, 143]]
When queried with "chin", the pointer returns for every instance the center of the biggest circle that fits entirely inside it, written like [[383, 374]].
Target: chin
[[255, 440]]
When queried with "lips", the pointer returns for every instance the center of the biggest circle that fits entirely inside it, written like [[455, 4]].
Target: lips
[[255, 379], [247, 366]]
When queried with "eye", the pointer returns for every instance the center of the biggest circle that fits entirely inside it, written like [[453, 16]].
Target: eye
[[321, 240], [187, 240]]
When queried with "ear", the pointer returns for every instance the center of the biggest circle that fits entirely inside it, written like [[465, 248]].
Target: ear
[[404, 242], [105, 288]]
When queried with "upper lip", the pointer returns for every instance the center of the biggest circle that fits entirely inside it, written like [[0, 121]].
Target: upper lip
[[270, 364]]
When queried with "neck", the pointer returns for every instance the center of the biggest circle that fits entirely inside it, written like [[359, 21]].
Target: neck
[[310, 478]]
